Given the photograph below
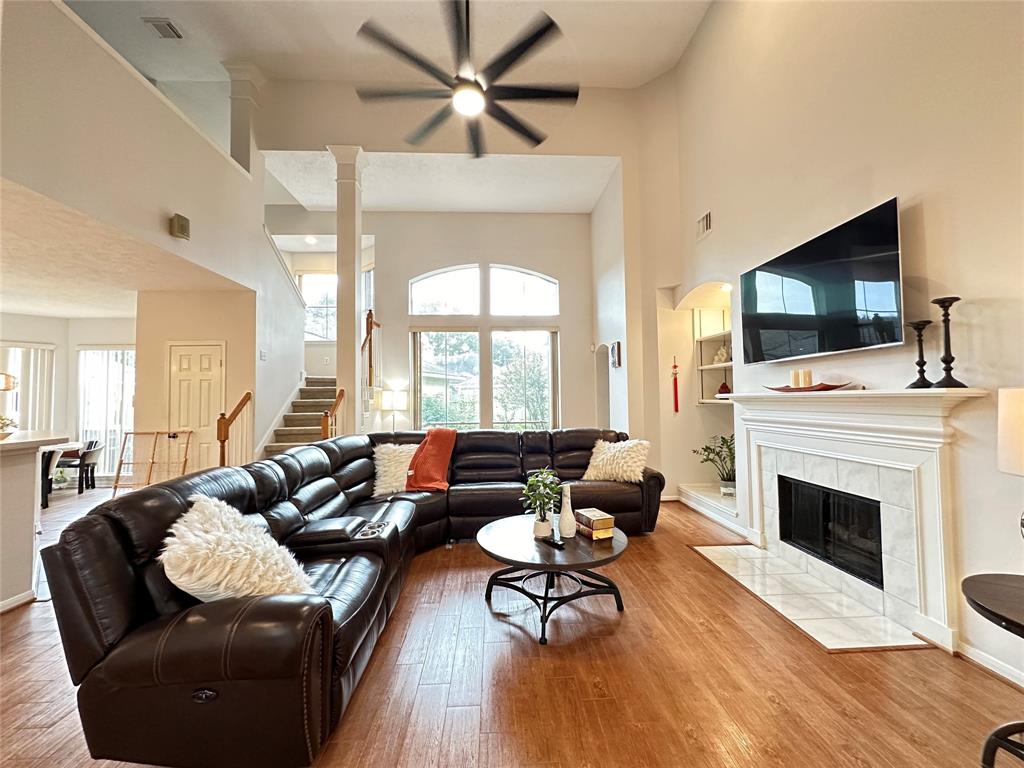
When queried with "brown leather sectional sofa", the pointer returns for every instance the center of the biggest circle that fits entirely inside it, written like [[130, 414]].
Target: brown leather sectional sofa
[[262, 681]]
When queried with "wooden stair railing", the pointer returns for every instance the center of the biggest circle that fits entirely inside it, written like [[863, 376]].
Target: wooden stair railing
[[367, 350], [224, 422], [329, 419]]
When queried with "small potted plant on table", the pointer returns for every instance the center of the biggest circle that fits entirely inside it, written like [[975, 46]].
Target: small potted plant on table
[[7, 427], [720, 452], [543, 491]]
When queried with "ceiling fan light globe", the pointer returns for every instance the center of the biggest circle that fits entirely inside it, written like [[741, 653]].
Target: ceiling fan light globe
[[468, 100]]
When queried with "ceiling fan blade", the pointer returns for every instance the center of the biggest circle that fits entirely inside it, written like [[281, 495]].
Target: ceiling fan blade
[[432, 124], [476, 137], [503, 116], [372, 32], [534, 92], [537, 32], [395, 94], [457, 16]]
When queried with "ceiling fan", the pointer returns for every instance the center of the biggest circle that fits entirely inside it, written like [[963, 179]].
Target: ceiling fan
[[469, 91]]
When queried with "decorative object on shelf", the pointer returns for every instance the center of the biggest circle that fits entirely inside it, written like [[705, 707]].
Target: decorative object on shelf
[[566, 518], [820, 387], [725, 389], [539, 497], [7, 427], [8, 382], [921, 382], [1010, 434], [720, 452], [806, 377], [616, 354], [675, 385], [947, 381], [723, 355], [794, 378]]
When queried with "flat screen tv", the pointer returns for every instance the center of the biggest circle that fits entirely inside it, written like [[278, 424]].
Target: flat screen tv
[[838, 292]]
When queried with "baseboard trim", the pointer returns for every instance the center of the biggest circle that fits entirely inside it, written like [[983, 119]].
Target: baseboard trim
[[732, 525], [268, 436], [17, 601], [992, 665], [670, 498]]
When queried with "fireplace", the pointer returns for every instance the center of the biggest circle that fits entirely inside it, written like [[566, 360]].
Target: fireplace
[[839, 528]]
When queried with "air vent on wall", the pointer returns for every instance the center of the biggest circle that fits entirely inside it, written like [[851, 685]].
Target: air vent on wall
[[164, 27], [704, 226]]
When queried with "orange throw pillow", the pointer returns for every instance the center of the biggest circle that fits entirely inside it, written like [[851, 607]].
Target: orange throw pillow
[[428, 470]]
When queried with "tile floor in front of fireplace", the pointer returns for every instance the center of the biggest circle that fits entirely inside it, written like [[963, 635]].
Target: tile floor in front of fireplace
[[833, 619]]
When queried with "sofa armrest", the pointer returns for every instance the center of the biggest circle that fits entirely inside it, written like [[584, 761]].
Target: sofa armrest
[[248, 638], [243, 681], [651, 486]]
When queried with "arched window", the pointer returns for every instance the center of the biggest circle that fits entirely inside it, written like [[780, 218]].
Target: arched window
[[518, 292], [454, 291]]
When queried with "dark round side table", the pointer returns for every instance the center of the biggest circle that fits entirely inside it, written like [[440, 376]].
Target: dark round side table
[[510, 541], [999, 597]]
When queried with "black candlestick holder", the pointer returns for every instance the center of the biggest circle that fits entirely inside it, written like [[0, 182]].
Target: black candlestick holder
[[944, 303], [921, 382]]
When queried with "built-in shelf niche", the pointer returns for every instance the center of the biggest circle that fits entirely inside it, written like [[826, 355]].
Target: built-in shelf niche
[[712, 330]]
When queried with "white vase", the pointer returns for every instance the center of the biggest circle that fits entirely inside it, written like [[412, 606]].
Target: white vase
[[566, 517], [541, 528]]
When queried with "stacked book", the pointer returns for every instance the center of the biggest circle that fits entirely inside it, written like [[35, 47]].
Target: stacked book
[[595, 524]]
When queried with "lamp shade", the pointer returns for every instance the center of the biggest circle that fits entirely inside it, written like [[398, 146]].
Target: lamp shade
[[387, 400], [1011, 431], [7, 382], [401, 399]]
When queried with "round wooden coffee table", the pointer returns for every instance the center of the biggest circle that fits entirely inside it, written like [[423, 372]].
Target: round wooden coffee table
[[510, 541]]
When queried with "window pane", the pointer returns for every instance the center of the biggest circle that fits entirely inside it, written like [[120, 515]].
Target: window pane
[[521, 369], [320, 292], [106, 389], [515, 292], [448, 385], [452, 292]]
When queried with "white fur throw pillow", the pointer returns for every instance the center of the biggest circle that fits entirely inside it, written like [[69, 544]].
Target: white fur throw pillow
[[214, 552], [391, 463], [622, 462]]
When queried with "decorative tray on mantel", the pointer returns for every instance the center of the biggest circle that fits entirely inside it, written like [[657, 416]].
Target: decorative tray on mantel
[[822, 387]]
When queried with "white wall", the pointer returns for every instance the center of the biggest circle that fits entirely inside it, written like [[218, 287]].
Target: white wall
[[135, 165], [795, 116], [609, 292], [409, 244]]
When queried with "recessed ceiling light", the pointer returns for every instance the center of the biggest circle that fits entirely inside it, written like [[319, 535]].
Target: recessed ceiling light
[[468, 99], [727, 287], [309, 240]]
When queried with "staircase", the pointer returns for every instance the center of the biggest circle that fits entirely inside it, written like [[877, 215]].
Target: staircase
[[302, 423]]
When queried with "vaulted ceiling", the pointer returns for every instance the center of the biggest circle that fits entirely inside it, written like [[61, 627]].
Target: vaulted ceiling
[[606, 43]]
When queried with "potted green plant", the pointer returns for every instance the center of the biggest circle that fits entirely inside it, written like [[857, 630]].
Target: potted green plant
[[543, 491], [60, 479], [7, 427], [720, 452]]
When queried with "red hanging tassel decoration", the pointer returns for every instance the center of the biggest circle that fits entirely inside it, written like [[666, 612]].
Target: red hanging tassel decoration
[[675, 385]]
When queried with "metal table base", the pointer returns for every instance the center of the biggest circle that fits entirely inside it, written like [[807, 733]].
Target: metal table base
[[588, 584]]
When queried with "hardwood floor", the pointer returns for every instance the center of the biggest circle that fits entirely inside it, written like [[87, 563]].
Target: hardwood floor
[[695, 672]]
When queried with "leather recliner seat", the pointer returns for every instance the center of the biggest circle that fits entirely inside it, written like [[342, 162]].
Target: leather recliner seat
[[262, 681]]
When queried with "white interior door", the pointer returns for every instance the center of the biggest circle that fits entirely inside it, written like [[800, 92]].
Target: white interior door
[[196, 398]]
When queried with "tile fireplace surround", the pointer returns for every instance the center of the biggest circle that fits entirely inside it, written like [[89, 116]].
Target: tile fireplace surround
[[891, 446]]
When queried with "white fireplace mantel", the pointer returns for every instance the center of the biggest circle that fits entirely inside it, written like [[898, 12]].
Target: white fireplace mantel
[[883, 416], [892, 445]]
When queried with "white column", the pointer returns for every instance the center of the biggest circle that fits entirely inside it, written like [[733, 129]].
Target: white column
[[246, 82], [350, 252]]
